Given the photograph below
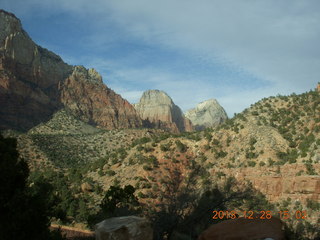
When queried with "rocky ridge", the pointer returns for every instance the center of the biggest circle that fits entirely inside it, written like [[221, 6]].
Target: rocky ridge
[[207, 114], [158, 110], [35, 83]]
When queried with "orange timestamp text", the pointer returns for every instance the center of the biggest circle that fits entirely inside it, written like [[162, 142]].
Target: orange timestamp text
[[283, 215]]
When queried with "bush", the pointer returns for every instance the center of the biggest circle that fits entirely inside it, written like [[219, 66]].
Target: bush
[[117, 198], [261, 163], [270, 162], [110, 172], [165, 147], [221, 154], [314, 205], [180, 146], [251, 163]]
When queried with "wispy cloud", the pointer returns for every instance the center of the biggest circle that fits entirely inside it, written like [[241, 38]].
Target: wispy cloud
[[235, 50]]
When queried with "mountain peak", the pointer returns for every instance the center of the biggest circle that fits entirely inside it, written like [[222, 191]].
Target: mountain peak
[[155, 97], [35, 83], [10, 24], [208, 113], [90, 75], [158, 110], [3, 12]]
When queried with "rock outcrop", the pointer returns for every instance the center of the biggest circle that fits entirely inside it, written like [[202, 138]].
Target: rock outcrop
[[84, 93], [29, 77], [157, 110], [125, 228], [206, 114], [280, 182], [35, 83]]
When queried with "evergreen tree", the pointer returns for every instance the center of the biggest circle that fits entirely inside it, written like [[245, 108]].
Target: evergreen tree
[[24, 210]]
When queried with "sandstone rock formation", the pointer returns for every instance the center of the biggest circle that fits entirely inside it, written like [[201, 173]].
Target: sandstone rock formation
[[84, 93], [157, 110], [206, 114], [124, 228], [29, 77], [280, 182], [34, 83], [245, 229]]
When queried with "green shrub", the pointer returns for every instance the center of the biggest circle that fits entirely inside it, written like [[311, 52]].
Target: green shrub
[[314, 205], [180, 146], [110, 172], [251, 163], [261, 163], [270, 162]]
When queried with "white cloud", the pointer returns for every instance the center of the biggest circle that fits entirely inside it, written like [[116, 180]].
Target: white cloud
[[275, 41]]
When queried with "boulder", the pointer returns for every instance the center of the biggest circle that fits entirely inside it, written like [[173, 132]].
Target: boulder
[[86, 187], [124, 228], [245, 229]]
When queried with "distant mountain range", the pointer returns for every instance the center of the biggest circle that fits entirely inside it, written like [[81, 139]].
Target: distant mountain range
[[35, 83]]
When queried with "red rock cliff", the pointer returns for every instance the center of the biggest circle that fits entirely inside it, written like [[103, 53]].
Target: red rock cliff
[[34, 83]]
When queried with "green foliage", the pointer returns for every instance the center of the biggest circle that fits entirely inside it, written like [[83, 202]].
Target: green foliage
[[310, 168], [183, 213], [252, 141], [220, 154], [140, 141], [207, 135], [118, 201], [215, 142], [165, 147], [180, 146], [306, 143], [255, 113], [24, 210], [110, 172], [250, 155], [220, 174], [312, 204], [251, 163], [261, 163], [270, 162]]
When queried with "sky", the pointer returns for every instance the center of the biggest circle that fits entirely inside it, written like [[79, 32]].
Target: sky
[[236, 51]]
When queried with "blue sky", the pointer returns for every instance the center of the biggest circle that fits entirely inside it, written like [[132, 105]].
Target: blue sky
[[237, 51]]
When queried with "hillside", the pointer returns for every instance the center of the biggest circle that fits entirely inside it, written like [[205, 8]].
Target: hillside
[[274, 144]]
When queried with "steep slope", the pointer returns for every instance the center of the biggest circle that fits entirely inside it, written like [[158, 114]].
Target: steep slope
[[29, 77], [85, 95], [207, 114], [157, 110], [34, 83]]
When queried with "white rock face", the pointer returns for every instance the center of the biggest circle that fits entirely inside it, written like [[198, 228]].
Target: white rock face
[[159, 111], [124, 228], [206, 114]]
